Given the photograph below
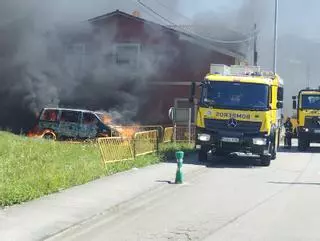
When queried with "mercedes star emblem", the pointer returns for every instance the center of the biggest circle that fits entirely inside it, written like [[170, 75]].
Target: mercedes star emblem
[[232, 123]]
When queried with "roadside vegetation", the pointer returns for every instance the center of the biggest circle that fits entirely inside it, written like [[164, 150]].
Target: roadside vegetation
[[32, 168]]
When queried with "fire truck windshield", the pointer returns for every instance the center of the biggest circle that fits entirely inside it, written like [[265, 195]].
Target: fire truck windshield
[[310, 101], [235, 95]]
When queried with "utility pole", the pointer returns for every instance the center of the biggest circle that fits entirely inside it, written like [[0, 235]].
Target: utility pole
[[275, 46], [255, 52], [308, 74]]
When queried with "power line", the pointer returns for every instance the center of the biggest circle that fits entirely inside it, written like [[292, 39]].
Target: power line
[[165, 6], [192, 32], [147, 12], [189, 19], [154, 12]]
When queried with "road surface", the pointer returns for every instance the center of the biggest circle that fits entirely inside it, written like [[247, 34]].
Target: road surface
[[231, 201]]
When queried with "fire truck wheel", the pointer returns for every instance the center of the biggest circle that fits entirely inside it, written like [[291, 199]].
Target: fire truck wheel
[[265, 161], [274, 149], [303, 145], [202, 156]]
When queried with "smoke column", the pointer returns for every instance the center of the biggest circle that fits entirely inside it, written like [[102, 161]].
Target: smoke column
[[39, 67]]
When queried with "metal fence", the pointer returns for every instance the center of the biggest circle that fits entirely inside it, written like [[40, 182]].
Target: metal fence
[[115, 149], [145, 143], [168, 135], [184, 133], [130, 130], [178, 133]]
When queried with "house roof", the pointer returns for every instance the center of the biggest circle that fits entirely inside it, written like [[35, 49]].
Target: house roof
[[191, 37]]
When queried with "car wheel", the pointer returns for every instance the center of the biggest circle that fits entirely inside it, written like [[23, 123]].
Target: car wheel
[[49, 136]]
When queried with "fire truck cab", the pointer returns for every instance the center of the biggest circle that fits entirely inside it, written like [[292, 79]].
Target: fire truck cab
[[239, 112], [307, 104]]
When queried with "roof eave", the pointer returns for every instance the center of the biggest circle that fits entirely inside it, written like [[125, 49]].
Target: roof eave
[[189, 37]]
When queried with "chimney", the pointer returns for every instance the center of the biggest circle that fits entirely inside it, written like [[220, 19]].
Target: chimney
[[136, 14]]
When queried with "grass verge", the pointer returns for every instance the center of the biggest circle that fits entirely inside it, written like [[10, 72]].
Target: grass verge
[[32, 168]]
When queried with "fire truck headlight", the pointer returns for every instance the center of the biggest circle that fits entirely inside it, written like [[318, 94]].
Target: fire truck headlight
[[203, 137], [259, 141]]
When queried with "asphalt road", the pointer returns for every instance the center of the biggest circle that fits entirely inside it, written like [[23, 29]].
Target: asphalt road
[[234, 200]]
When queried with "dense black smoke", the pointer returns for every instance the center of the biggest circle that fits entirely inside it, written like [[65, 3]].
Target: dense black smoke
[[43, 62]]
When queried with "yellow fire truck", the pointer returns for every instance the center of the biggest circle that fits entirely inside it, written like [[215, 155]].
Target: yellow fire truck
[[308, 117], [239, 112]]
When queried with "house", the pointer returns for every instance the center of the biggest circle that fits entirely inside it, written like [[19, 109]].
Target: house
[[160, 61]]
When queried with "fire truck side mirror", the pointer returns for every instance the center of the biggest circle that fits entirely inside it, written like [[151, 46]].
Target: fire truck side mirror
[[279, 105], [294, 102]]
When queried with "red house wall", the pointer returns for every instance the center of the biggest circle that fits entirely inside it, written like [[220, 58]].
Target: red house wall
[[191, 63]]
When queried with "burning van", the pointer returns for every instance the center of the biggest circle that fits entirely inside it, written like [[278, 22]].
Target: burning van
[[61, 123]]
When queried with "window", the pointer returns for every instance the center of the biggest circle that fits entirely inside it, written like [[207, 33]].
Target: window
[[89, 119], [182, 103], [234, 95], [76, 57], [185, 103], [70, 116], [49, 115], [280, 94], [127, 54], [270, 94], [310, 101]]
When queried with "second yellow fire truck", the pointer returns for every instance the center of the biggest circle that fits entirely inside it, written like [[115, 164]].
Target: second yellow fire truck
[[308, 117]]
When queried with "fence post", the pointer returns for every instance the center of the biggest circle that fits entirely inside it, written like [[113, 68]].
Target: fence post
[[134, 146], [157, 144], [171, 139], [189, 126], [161, 133]]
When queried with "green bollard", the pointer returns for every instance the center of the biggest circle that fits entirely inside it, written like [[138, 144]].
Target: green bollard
[[179, 174]]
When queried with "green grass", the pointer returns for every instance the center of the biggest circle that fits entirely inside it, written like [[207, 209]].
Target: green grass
[[32, 168], [167, 151]]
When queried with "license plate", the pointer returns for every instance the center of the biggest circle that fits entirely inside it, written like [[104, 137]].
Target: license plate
[[317, 131], [230, 139]]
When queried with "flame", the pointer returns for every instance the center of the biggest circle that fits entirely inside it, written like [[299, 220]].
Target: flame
[[125, 131], [106, 119], [34, 133]]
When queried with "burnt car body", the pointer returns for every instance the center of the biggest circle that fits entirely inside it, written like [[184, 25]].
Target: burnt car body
[[62, 123]]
